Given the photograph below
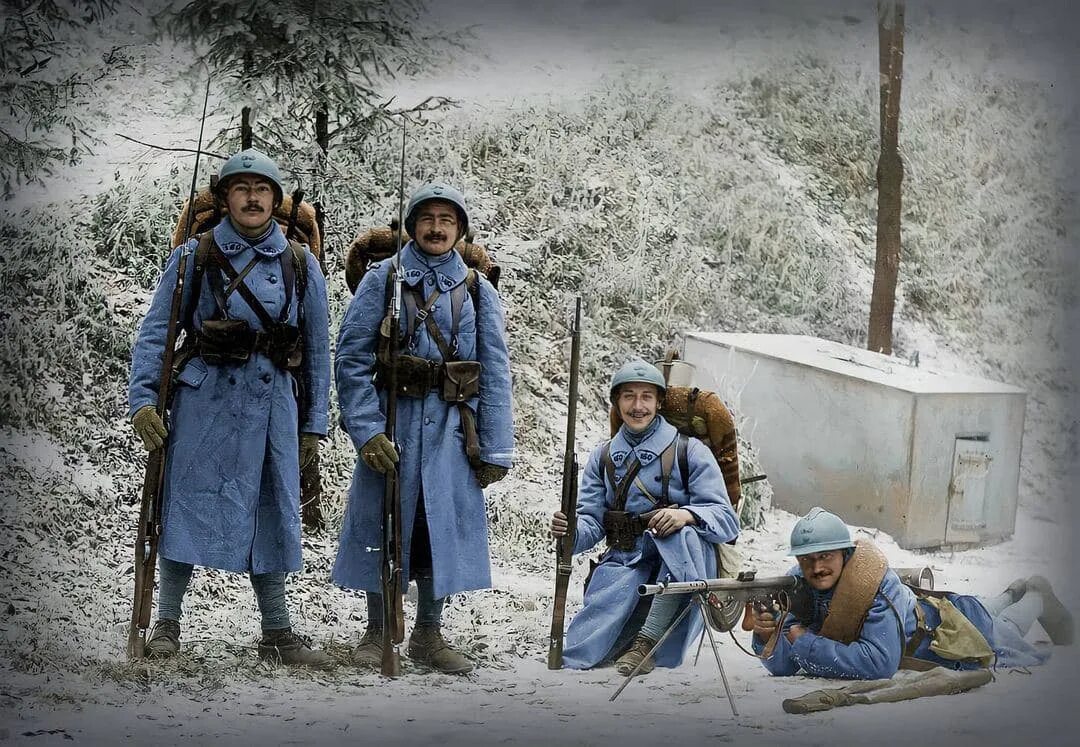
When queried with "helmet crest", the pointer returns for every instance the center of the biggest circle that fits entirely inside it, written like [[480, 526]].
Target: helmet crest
[[819, 531]]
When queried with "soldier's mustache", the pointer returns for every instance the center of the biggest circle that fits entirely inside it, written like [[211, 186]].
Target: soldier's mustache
[[434, 236]]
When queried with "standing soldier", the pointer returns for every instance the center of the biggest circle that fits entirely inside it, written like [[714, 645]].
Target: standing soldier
[[256, 336], [659, 499], [453, 443]]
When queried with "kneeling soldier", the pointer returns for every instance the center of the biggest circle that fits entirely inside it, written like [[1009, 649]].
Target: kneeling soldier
[[660, 500]]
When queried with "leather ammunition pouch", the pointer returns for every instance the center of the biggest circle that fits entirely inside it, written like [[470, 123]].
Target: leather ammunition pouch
[[222, 341], [460, 381], [622, 529], [455, 381]]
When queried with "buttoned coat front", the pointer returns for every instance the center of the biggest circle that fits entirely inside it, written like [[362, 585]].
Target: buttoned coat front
[[232, 483], [428, 430], [686, 555]]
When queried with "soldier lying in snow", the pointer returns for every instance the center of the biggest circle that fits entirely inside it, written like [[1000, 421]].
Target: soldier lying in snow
[[866, 624]]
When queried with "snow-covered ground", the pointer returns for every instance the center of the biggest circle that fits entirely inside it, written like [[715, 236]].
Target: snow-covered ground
[[524, 54]]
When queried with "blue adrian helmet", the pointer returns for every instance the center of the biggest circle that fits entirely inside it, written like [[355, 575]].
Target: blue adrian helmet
[[430, 192], [638, 371], [251, 162], [819, 531]]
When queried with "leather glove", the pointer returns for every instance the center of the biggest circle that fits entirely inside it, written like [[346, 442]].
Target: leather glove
[[309, 448], [379, 454], [489, 473], [149, 427]]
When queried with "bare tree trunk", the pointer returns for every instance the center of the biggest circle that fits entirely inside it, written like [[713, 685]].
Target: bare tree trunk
[[245, 128], [890, 175]]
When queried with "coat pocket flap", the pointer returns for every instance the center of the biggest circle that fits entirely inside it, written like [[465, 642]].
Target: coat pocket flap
[[193, 373]]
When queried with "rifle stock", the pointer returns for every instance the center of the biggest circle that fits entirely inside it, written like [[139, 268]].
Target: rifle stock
[[148, 531], [393, 613], [564, 552]]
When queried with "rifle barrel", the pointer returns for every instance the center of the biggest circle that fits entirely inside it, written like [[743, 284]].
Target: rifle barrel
[[564, 548], [149, 529], [720, 584], [393, 613]]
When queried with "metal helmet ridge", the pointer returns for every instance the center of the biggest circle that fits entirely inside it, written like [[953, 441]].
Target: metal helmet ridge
[[637, 371], [437, 191], [819, 531]]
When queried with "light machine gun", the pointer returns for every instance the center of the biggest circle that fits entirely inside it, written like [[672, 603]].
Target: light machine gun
[[721, 602]]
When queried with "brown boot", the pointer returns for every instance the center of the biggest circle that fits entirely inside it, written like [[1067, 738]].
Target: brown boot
[[368, 654], [635, 655], [164, 640], [1055, 619], [427, 646], [286, 647]]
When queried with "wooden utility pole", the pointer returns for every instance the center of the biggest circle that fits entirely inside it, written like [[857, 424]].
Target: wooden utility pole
[[890, 175]]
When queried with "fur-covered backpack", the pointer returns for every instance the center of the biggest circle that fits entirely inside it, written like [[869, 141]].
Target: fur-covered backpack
[[376, 244], [299, 220]]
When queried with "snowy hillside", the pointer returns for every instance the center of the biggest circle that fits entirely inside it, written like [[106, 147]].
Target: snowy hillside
[[681, 165]]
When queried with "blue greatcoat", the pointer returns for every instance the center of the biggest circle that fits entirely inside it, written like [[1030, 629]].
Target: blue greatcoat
[[876, 654], [428, 430], [686, 555], [232, 486]]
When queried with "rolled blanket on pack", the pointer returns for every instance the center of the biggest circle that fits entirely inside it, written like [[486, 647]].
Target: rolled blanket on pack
[[906, 685]]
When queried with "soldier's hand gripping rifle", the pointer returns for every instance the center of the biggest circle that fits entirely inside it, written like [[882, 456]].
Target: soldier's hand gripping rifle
[[564, 546], [393, 632], [148, 531]]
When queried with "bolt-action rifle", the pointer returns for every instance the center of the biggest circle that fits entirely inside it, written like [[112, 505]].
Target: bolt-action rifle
[[393, 632], [564, 546], [148, 531]]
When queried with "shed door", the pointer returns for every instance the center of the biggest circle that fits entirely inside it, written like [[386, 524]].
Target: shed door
[[967, 490]]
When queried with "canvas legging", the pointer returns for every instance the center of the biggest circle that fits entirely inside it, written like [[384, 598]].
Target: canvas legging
[[174, 577]]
